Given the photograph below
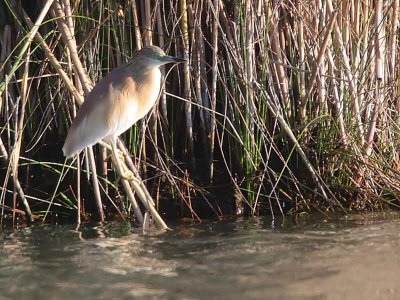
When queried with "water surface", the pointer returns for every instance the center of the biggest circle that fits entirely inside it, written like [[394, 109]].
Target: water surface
[[353, 257]]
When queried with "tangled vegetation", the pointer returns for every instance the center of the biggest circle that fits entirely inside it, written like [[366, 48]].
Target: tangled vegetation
[[283, 106]]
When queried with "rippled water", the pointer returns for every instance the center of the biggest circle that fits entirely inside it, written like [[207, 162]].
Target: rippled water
[[343, 258]]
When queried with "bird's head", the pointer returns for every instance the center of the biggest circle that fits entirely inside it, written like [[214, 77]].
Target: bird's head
[[156, 57]]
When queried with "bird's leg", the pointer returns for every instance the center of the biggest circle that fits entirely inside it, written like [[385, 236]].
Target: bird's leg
[[121, 168], [119, 152]]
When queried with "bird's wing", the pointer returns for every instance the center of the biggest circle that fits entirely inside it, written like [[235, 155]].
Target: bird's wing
[[98, 116]]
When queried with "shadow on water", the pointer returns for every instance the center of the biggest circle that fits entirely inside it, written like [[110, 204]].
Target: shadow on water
[[257, 258]]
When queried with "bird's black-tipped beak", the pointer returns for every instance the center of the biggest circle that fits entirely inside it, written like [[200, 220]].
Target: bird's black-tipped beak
[[178, 59]]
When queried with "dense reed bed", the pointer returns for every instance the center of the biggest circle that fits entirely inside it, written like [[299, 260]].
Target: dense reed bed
[[283, 106]]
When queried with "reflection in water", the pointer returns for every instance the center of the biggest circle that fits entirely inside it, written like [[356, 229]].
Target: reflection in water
[[255, 258]]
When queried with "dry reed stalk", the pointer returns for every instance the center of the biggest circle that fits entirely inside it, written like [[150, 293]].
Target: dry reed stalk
[[301, 51], [345, 28], [347, 68], [337, 101], [321, 54], [380, 43], [230, 36], [5, 49], [69, 40], [17, 185], [66, 4], [249, 70], [392, 54], [147, 21], [275, 43], [354, 28], [148, 150], [365, 25], [380, 46], [186, 83], [163, 113], [199, 72], [214, 77], [96, 185], [78, 192], [392, 62], [321, 103], [16, 152], [136, 26]]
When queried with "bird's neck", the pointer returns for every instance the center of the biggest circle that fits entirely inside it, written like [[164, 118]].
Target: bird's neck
[[140, 68]]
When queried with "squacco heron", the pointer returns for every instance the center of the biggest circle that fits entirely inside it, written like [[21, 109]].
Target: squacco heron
[[117, 101]]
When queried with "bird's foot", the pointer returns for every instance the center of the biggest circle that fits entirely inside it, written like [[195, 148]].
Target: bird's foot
[[127, 174], [119, 154]]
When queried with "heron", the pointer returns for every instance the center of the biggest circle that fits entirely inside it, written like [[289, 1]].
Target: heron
[[118, 101]]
